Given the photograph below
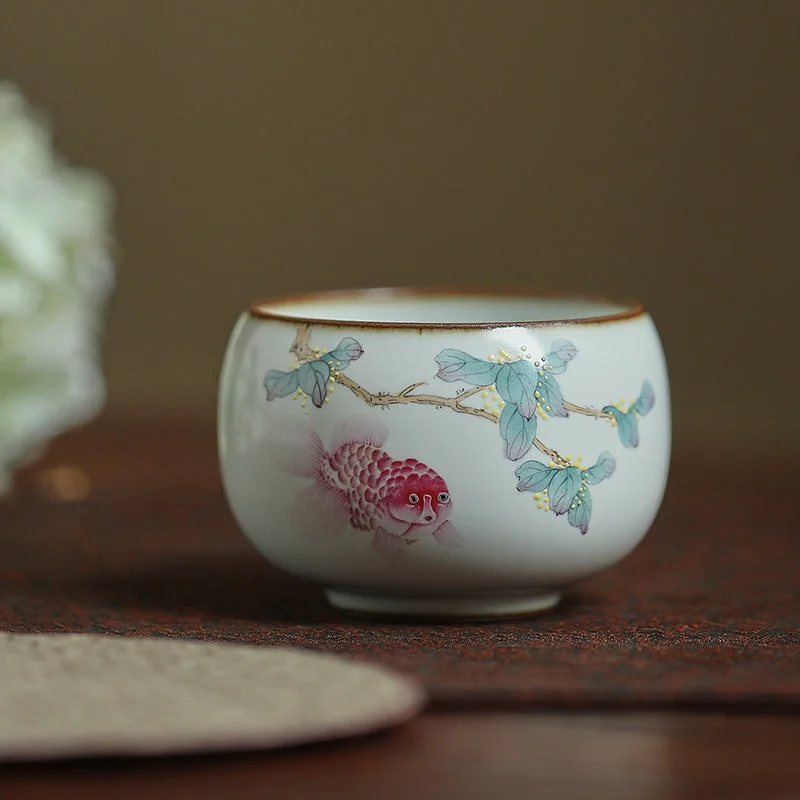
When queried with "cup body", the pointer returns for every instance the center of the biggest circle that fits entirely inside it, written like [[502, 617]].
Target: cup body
[[446, 468]]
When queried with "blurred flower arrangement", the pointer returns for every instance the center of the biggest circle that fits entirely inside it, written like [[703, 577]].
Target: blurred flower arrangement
[[56, 274]]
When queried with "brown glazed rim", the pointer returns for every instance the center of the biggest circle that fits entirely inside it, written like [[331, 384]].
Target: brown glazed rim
[[632, 308]]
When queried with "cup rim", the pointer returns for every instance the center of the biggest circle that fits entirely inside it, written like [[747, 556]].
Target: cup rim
[[269, 308]]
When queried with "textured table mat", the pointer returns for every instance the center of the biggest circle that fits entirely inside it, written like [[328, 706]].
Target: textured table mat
[[80, 695], [704, 613]]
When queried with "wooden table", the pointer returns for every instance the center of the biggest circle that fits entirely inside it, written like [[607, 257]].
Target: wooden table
[[567, 753]]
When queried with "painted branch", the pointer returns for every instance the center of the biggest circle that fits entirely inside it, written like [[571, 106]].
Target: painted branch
[[588, 412], [302, 350], [554, 455], [406, 398]]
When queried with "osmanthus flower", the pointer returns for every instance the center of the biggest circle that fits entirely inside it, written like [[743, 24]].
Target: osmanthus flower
[[56, 273], [566, 488]]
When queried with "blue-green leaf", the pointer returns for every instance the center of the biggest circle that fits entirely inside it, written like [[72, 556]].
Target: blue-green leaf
[[563, 487], [517, 432], [645, 401], [580, 512], [280, 384], [456, 365], [550, 398], [516, 383], [627, 426], [562, 351], [603, 468], [346, 351], [533, 476], [313, 378]]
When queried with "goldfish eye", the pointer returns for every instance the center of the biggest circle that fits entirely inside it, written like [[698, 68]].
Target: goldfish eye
[[443, 497], [413, 499]]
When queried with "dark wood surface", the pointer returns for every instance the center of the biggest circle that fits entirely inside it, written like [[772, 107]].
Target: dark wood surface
[[625, 757], [573, 753]]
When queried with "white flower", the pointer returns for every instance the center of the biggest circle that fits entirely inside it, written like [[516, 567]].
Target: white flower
[[56, 274]]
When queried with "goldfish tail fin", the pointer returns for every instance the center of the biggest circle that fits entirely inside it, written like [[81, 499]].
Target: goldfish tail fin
[[298, 449], [447, 535], [320, 509], [362, 429]]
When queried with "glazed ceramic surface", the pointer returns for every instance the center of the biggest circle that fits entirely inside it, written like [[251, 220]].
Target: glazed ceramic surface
[[437, 454]]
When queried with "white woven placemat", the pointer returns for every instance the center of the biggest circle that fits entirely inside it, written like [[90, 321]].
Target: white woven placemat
[[81, 695]]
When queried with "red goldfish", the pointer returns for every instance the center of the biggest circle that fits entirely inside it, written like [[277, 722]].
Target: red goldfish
[[355, 480]]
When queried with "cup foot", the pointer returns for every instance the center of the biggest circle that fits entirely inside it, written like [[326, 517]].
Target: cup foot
[[457, 609]]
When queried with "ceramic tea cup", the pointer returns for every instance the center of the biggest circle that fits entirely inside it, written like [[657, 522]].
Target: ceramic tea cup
[[424, 453]]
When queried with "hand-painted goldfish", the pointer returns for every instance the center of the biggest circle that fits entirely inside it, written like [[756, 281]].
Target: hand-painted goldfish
[[357, 481]]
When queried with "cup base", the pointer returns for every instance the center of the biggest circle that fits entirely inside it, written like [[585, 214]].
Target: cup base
[[457, 609]]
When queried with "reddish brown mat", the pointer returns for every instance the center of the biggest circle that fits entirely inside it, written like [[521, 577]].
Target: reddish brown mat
[[706, 613]]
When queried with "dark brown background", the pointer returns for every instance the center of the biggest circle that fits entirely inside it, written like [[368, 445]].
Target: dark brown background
[[644, 148]]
